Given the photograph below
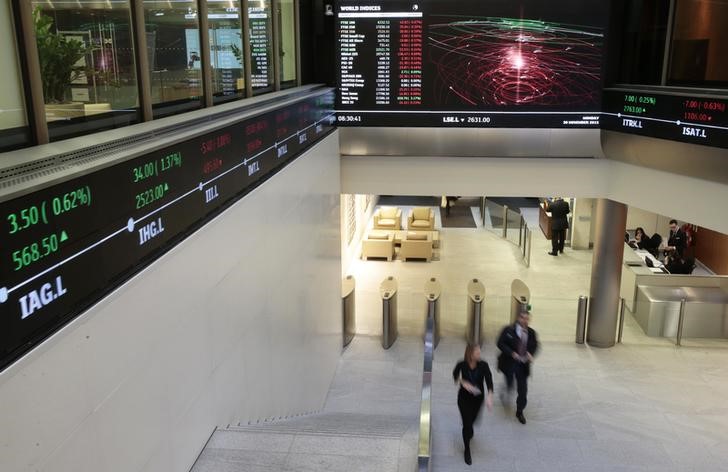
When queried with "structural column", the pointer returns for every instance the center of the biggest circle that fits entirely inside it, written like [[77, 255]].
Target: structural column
[[610, 220]]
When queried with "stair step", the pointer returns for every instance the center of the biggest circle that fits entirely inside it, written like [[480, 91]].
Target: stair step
[[337, 424]]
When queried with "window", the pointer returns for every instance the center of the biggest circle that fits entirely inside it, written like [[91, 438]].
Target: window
[[699, 46], [173, 45], [287, 42], [14, 131], [643, 42], [226, 49], [261, 35], [87, 65]]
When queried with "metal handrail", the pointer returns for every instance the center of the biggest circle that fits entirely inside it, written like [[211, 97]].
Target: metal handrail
[[524, 233], [424, 449], [681, 322]]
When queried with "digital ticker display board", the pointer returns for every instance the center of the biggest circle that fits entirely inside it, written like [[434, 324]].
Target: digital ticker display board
[[688, 118], [470, 63], [66, 246]]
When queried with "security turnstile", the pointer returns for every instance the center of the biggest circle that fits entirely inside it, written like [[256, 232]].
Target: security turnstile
[[388, 292], [474, 316], [520, 298], [433, 289], [348, 309]]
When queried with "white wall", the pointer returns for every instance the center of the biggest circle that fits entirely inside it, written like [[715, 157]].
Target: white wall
[[698, 201], [363, 213], [647, 220], [239, 322]]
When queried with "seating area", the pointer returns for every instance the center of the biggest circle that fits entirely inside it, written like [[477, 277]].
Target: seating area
[[388, 218], [379, 244], [421, 218], [416, 246], [418, 241]]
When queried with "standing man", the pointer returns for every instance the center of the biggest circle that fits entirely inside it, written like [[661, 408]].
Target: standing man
[[559, 224], [518, 344], [677, 242]]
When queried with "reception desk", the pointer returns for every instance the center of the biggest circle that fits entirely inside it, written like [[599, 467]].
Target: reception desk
[[544, 220], [654, 297], [634, 266], [658, 311]]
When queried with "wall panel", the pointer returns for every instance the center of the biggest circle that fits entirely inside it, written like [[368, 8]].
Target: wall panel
[[215, 332]]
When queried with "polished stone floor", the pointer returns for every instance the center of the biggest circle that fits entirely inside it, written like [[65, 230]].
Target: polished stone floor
[[644, 405]]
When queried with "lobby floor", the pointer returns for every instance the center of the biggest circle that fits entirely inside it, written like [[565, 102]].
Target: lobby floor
[[644, 405]]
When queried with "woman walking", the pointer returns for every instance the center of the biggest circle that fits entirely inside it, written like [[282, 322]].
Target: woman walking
[[470, 374]]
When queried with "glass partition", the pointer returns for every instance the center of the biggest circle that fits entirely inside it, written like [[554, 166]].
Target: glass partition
[[699, 44], [87, 65], [173, 46], [261, 47], [508, 224], [14, 131], [493, 217], [514, 230], [287, 42], [226, 49]]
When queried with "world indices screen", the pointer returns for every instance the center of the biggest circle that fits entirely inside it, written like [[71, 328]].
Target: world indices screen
[[470, 63]]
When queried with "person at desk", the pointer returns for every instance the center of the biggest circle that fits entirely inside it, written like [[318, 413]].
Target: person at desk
[[640, 238], [559, 224], [676, 243], [680, 265]]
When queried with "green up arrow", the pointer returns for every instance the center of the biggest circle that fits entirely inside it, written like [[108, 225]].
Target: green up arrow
[[64, 236]]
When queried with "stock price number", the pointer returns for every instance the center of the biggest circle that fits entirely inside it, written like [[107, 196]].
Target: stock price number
[[25, 218], [37, 251], [478, 119], [151, 195]]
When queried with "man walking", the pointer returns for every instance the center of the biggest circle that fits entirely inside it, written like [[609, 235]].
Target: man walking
[[559, 224], [518, 344]]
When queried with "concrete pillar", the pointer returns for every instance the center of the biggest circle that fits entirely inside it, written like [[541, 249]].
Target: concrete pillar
[[610, 220]]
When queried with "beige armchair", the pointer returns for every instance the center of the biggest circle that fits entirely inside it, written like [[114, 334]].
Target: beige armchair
[[416, 246], [388, 218], [378, 244], [422, 219]]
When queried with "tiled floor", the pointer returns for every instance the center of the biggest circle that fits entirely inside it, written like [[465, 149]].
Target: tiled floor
[[645, 405]]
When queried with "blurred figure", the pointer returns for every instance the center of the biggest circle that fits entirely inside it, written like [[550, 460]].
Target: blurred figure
[[518, 344], [450, 202], [559, 224], [470, 374], [680, 265]]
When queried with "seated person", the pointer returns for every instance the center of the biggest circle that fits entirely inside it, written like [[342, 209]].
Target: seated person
[[652, 244], [640, 238], [642, 241], [680, 265]]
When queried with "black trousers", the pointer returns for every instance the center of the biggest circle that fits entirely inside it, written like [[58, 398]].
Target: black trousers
[[518, 372], [469, 406], [557, 240]]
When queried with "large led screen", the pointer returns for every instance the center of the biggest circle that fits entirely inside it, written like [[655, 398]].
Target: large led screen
[[472, 63], [694, 119], [66, 246]]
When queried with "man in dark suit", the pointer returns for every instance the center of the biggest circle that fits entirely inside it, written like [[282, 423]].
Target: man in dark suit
[[559, 224], [518, 344], [677, 242]]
